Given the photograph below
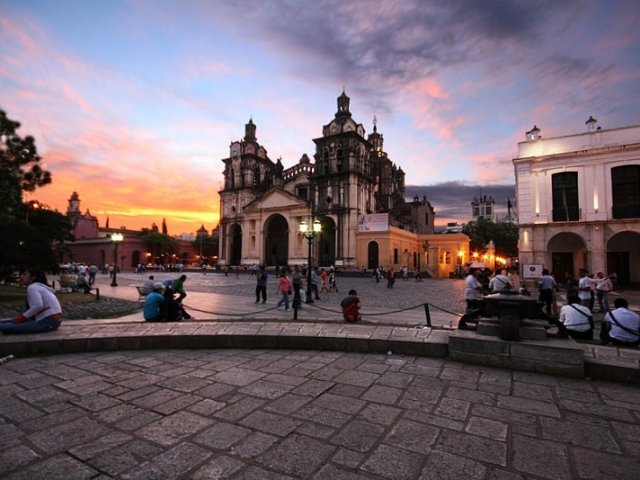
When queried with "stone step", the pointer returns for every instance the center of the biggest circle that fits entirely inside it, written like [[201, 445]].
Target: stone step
[[555, 356]]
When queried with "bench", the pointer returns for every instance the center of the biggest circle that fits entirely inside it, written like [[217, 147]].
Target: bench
[[68, 282], [142, 293]]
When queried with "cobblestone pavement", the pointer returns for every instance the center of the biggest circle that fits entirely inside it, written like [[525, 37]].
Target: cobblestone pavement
[[447, 294], [261, 414]]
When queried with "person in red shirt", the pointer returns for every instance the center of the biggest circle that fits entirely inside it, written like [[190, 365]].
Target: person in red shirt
[[284, 286], [351, 307]]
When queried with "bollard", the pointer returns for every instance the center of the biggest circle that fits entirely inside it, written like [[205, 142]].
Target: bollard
[[97, 294], [295, 308], [428, 315]]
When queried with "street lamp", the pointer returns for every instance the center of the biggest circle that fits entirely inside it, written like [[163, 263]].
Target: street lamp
[[116, 238], [310, 235]]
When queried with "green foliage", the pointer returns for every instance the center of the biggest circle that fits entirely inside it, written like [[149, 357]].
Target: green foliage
[[20, 169], [503, 234], [160, 244], [24, 246], [209, 245]]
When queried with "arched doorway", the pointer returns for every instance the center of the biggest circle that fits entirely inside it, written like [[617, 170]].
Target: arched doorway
[[276, 241], [135, 258], [568, 254], [372, 255], [327, 243], [235, 250], [623, 257]]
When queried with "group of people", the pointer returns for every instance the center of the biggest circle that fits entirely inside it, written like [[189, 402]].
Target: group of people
[[161, 304], [291, 282]]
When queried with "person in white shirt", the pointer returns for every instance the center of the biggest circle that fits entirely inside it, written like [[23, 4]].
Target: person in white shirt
[[500, 282], [575, 320], [584, 288], [43, 314], [472, 290], [603, 287], [621, 326], [547, 286]]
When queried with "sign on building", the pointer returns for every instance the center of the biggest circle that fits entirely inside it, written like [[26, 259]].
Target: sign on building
[[375, 222], [532, 271]]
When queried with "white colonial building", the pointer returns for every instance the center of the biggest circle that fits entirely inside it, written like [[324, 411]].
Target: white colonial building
[[578, 199]]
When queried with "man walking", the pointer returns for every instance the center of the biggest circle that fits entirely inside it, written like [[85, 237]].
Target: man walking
[[261, 285]]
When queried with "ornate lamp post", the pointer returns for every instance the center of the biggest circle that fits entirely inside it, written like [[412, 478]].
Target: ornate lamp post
[[310, 235], [116, 238]]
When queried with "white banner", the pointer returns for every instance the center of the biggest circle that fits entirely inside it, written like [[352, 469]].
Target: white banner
[[375, 222], [532, 271]]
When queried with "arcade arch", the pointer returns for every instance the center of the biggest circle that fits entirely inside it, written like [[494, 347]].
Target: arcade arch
[[235, 249], [567, 252], [327, 242], [373, 250], [623, 257], [276, 240]]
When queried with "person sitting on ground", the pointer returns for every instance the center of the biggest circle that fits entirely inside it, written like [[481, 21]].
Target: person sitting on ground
[[147, 286], [43, 314], [500, 282], [152, 308], [172, 310], [351, 307], [575, 320], [621, 326], [178, 287], [82, 283]]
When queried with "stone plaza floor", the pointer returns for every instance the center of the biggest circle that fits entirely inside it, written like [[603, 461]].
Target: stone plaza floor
[[294, 414], [278, 414]]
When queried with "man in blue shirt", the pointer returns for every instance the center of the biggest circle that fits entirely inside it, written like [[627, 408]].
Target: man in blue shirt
[[152, 311]]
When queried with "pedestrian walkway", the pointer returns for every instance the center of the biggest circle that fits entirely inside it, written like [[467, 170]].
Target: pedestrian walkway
[[264, 396], [306, 414]]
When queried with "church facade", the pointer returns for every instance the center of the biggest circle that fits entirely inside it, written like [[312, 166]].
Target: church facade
[[351, 187]]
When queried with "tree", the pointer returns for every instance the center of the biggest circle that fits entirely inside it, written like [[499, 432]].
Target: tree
[[24, 246], [160, 244], [20, 169], [503, 234], [208, 244]]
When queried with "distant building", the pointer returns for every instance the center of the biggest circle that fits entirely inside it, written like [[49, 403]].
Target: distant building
[[578, 199], [93, 243], [352, 188], [483, 207]]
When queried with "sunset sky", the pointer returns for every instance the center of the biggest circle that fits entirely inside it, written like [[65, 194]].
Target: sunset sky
[[134, 103]]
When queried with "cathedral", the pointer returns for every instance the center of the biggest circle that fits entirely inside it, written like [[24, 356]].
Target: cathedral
[[352, 188]]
